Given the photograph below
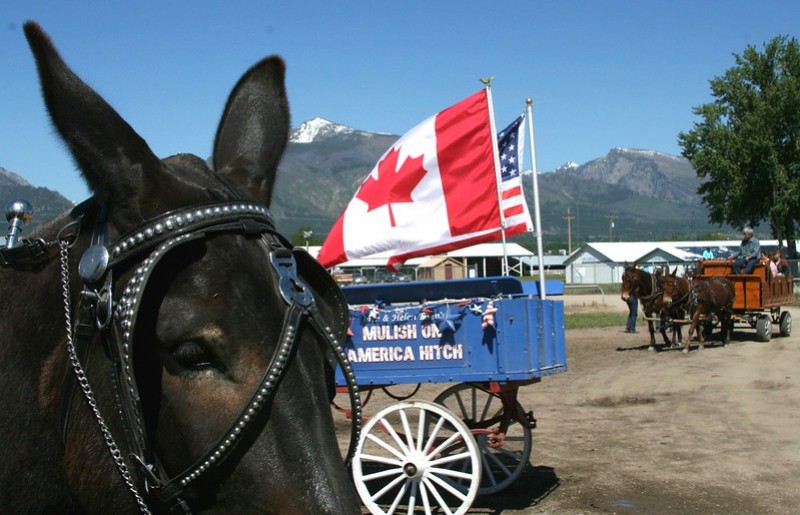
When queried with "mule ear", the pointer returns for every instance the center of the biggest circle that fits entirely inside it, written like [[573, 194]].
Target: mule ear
[[111, 156], [254, 130]]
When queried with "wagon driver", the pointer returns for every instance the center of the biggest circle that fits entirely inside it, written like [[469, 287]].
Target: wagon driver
[[747, 254]]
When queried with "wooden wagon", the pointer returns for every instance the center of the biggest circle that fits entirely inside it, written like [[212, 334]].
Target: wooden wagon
[[759, 296]]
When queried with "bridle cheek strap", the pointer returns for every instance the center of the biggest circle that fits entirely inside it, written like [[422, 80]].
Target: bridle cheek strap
[[161, 235], [301, 308]]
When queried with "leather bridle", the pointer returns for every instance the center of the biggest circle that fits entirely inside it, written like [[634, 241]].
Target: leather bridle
[[690, 294], [98, 311], [654, 289]]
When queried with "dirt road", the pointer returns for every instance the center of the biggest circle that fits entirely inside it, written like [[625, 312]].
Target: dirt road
[[626, 430]]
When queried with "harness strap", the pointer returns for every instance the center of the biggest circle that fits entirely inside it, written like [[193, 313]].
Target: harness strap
[[685, 296], [220, 217], [655, 292], [26, 252], [301, 308], [159, 236]]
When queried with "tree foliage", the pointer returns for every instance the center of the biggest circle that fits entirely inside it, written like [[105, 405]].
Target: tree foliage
[[746, 146]]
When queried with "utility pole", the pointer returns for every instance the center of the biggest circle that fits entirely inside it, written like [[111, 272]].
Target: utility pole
[[569, 219], [611, 225]]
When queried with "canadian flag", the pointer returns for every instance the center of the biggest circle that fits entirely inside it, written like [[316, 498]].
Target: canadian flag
[[433, 191]]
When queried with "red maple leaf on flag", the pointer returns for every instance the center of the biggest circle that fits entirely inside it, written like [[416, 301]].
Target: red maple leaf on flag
[[392, 185]]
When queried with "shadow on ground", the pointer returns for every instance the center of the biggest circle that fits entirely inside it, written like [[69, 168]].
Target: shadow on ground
[[532, 486]]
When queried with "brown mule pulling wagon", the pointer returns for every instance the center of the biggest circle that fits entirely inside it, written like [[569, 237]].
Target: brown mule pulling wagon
[[760, 297]]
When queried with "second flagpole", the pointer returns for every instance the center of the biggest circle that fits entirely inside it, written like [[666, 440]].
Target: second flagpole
[[536, 211]]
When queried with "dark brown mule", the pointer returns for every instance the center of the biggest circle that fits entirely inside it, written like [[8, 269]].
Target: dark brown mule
[[209, 317], [702, 299], [649, 288]]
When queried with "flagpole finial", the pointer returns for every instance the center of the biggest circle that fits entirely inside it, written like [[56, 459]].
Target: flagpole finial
[[487, 80], [529, 101]]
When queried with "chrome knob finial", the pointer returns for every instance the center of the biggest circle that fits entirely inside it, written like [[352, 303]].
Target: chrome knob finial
[[18, 213]]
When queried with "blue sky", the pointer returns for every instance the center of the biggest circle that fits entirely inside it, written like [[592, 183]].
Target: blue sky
[[601, 74]]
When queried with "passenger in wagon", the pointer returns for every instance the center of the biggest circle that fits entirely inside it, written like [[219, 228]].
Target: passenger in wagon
[[747, 254], [773, 265], [783, 265]]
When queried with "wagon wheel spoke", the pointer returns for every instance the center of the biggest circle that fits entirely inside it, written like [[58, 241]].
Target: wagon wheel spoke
[[406, 429], [397, 498], [412, 497], [432, 438], [389, 429], [502, 466]]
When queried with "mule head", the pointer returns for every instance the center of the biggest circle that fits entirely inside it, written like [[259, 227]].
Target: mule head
[[631, 280], [675, 289], [211, 312]]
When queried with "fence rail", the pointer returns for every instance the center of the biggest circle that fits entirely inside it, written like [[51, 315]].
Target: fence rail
[[585, 286]]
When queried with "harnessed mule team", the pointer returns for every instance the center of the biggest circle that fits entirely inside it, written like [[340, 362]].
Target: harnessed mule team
[[669, 299]]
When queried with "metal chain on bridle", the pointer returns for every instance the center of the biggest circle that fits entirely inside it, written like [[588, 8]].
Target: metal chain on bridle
[[162, 234], [86, 389]]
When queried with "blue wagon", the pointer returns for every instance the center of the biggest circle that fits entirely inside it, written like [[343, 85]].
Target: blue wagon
[[489, 336]]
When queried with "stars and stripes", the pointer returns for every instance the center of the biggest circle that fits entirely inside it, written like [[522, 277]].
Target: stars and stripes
[[510, 143]]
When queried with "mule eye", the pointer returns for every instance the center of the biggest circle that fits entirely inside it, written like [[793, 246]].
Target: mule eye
[[193, 355]]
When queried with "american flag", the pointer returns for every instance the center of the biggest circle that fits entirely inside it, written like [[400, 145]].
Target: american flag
[[515, 210]]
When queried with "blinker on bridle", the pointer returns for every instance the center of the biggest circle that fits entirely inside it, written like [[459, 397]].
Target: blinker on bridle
[[97, 311]]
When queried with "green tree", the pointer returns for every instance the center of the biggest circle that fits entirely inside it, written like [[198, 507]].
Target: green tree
[[746, 145]]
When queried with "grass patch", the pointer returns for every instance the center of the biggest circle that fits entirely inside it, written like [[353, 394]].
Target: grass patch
[[591, 320]]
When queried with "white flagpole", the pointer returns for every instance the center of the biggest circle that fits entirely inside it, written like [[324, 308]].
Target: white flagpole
[[498, 179], [536, 212]]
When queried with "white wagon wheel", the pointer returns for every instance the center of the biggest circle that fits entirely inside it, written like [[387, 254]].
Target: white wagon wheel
[[415, 457], [501, 466]]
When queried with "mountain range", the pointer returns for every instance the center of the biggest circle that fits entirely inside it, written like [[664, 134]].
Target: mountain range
[[647, 195], [626, 195]]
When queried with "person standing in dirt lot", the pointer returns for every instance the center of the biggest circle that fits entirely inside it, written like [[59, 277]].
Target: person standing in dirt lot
[[633, 311]]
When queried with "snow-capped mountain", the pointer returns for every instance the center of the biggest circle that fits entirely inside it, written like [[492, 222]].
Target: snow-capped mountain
[[645, 153], [569, 165], [646, 172], [318, 129]]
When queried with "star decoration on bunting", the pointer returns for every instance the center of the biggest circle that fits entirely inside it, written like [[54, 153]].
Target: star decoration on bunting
[[450, 320]]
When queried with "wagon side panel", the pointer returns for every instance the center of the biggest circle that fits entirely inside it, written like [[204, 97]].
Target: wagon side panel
[[533, 337], [516, 330], [551, 345], [748, 292]]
